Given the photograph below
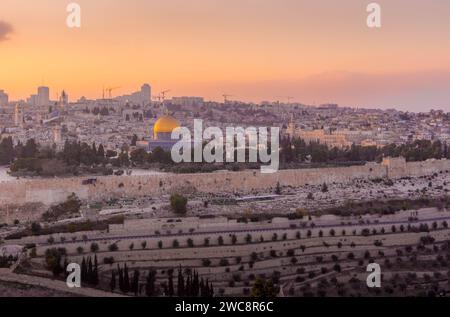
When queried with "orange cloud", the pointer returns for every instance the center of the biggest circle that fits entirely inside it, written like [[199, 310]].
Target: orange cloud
[[5, 30]]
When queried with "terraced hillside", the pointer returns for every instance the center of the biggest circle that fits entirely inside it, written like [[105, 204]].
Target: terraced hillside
[[308, 258]]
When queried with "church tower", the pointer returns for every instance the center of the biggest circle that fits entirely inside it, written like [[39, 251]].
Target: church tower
[[63, 100]]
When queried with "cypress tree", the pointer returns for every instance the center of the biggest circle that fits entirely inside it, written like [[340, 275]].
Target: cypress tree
[[195, 285], [207, 289], [126, 280], [112, 284], [170, 289], [101, 151], [164, 287], [181, 288], [83, 271], [150, 285], [65, 265], [135, 283], [202, 288], [120, 278], [95, 279], [188, 291], [90, 272]]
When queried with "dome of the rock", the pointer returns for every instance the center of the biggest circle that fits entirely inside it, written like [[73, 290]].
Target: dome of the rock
[[164, 126]]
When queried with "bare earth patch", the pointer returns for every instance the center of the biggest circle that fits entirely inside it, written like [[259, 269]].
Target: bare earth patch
[[9, 289]]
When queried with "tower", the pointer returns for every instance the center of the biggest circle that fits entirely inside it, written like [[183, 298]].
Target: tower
[[291, 127], [63, 99], [57, 137], [3, 99], [43, 96], [18, 115], [146, 94]]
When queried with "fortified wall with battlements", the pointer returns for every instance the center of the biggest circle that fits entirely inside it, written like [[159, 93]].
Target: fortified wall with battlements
[[56, 190]]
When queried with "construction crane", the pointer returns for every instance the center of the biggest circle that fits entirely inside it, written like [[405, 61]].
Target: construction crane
[[158, 98], [162, 95], [225, 98], [109, 90], [288, 98]]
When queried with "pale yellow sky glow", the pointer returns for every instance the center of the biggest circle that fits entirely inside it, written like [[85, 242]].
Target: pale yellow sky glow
[[316, 51]]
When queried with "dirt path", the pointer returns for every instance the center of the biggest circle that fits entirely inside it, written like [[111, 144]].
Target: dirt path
[[52, 285]]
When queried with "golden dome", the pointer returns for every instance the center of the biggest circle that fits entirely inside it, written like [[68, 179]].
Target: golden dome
[[165, 124]]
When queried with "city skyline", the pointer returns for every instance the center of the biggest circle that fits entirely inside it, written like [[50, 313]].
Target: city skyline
[[316, 53], [234, 152], [54, 96]]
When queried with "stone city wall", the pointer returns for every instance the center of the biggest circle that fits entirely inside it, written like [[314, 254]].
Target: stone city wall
[[52, 191]]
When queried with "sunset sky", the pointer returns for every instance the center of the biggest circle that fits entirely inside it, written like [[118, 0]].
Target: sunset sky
[[316, 51]]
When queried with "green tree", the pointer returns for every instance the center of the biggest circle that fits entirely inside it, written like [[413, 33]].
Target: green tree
[[7, 152], [54, 259], [206, 262], [94, 247], [35, 228], [101, 152], [278, 189], [95, 278], [171, 291], [126, 280], [31, 149], [134, 287], [134, 140], [113, 247], [124, 159], [150, 284], [112, 283], [180, 284], [264, 289], [178, 204], [139, 156]]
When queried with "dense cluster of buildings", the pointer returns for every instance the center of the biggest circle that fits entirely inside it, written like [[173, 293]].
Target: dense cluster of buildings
[[4, 98], [42, 98], [114, 122], [140, 98], [342, 127]]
